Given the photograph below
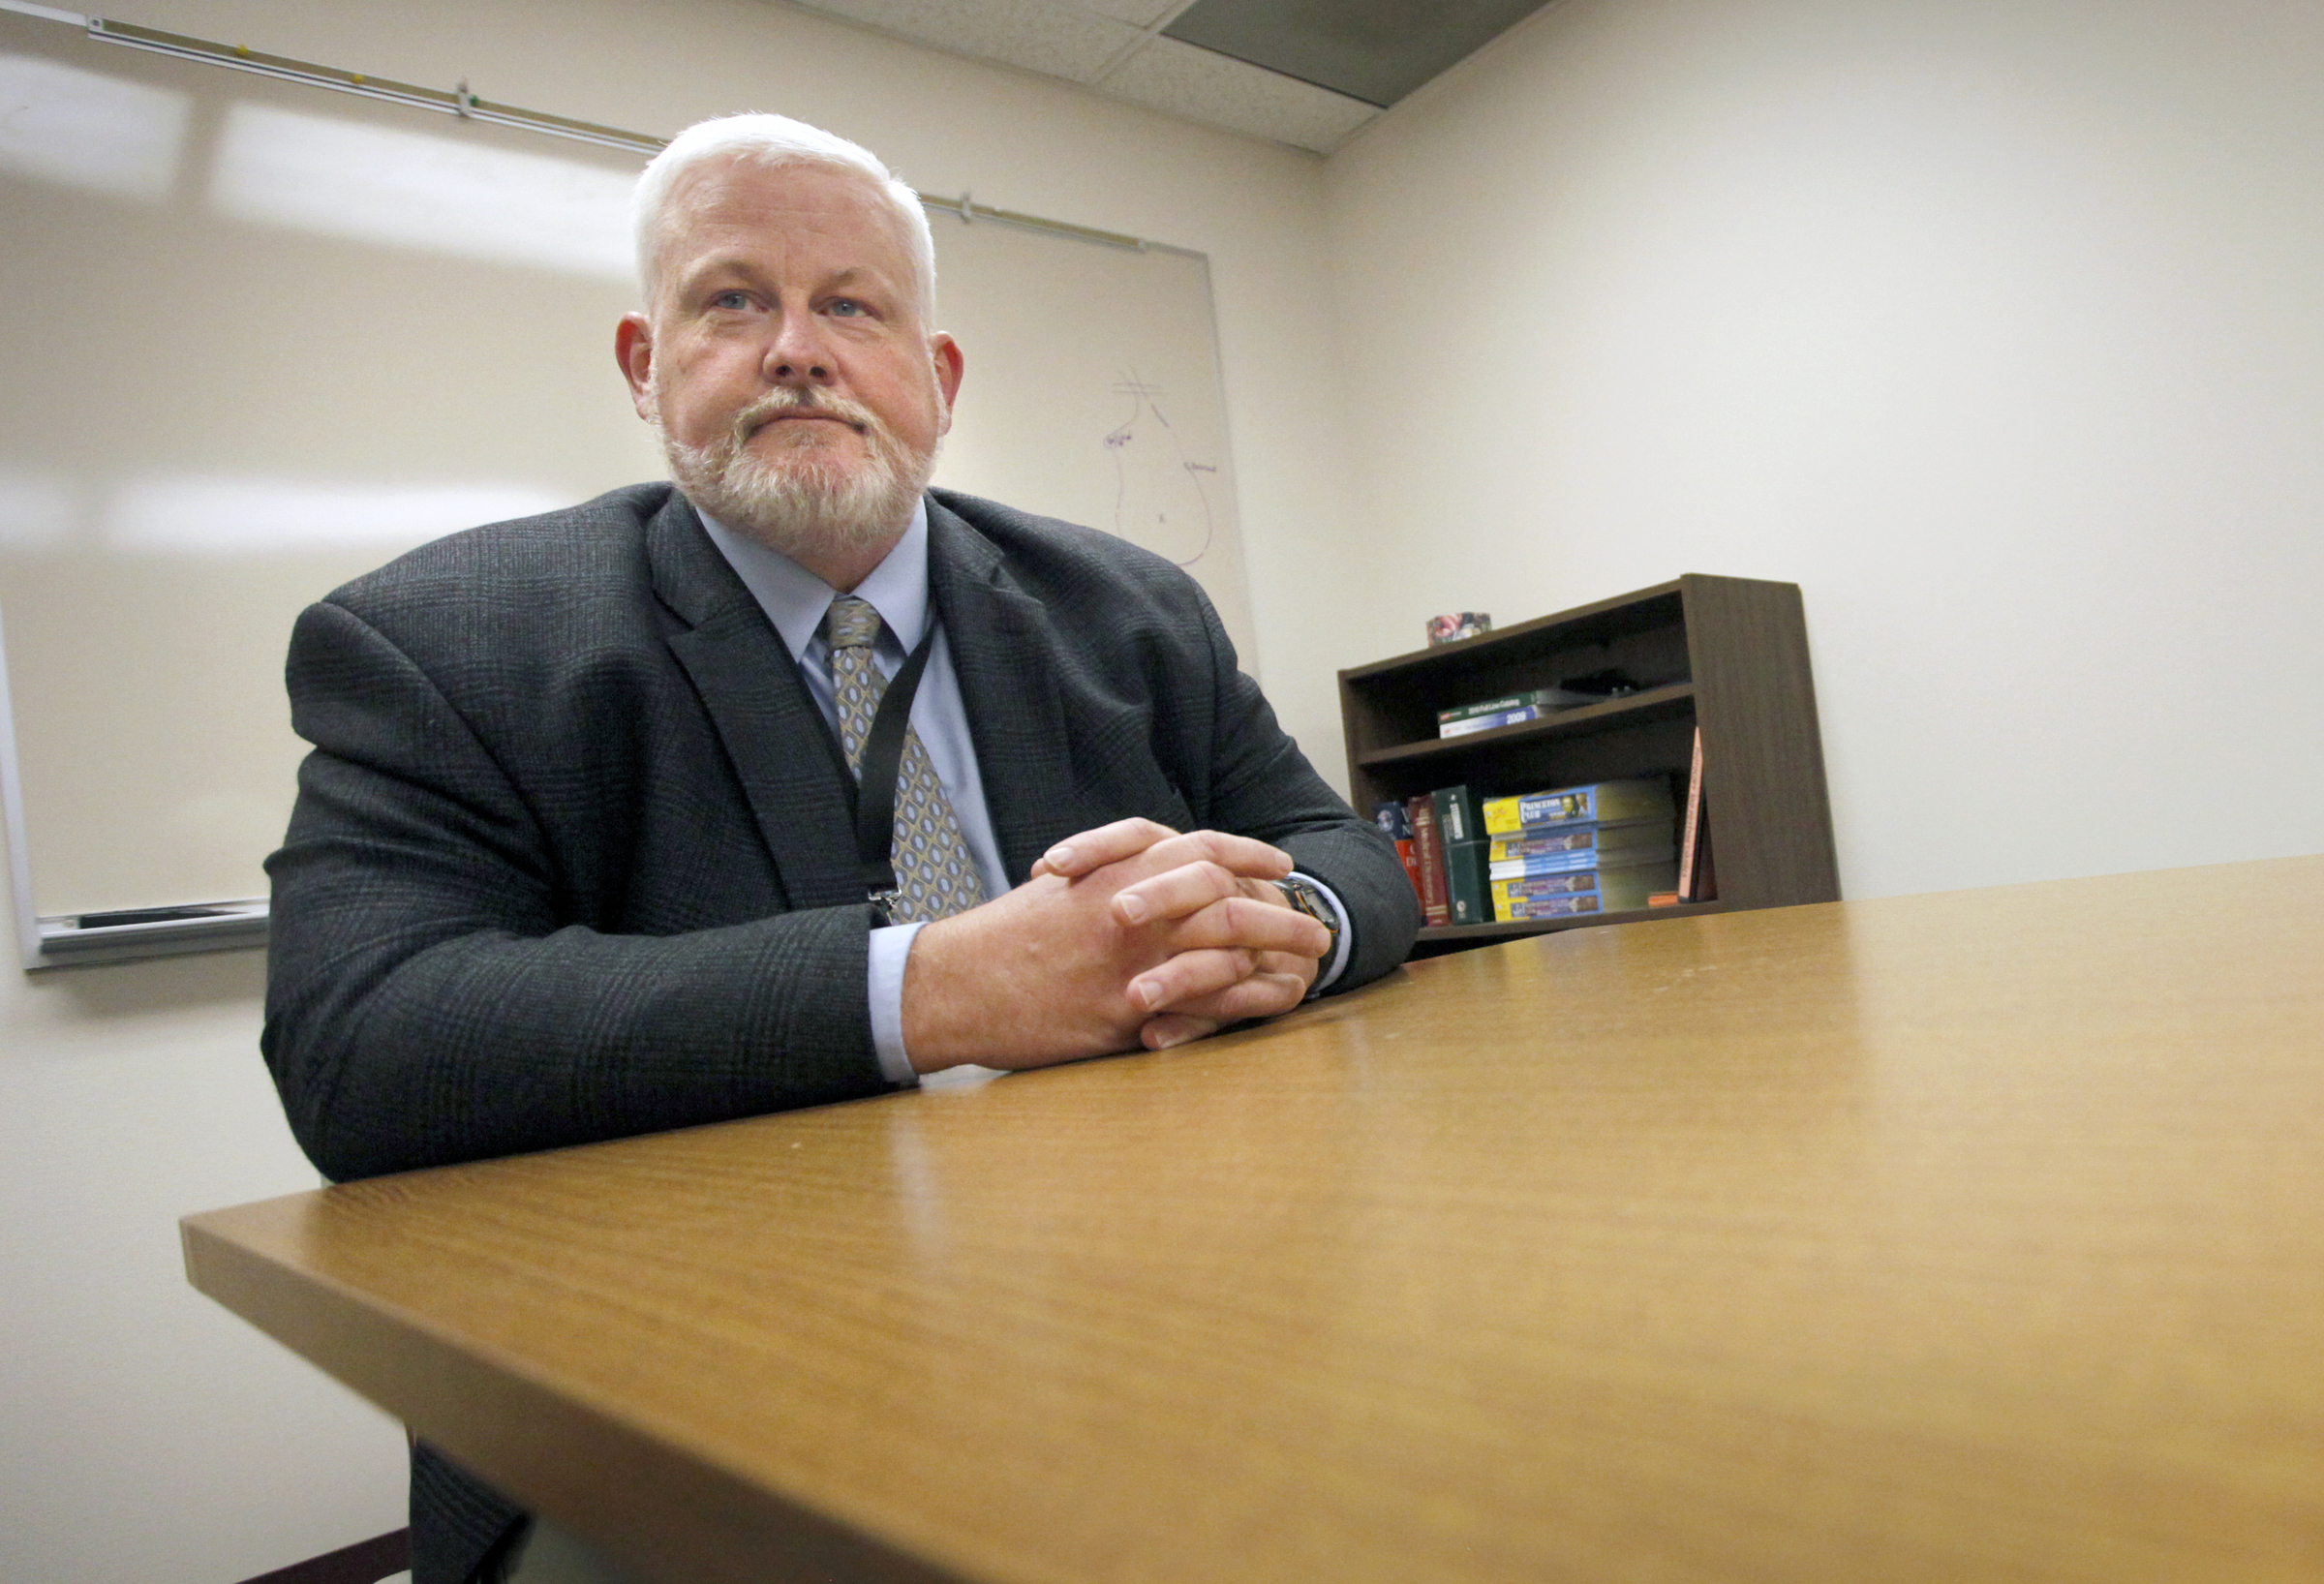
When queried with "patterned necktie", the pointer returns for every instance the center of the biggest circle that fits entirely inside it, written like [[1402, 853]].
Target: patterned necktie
[[934, 874]]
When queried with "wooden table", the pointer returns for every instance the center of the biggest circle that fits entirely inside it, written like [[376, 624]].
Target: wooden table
[[1973, 1237]]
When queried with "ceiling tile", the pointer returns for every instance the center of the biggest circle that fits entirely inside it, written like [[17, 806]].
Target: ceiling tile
[[1136, 12], [1203, 86], [1377, 50], [1039, 35]]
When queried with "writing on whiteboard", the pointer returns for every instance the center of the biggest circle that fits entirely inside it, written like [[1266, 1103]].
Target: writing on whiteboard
[[1161, 499]]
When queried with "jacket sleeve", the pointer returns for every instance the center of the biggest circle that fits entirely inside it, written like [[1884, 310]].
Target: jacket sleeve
[[1262, 785], [431, 997]]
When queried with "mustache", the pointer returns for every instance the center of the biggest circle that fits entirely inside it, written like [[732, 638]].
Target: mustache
[[782, 399]]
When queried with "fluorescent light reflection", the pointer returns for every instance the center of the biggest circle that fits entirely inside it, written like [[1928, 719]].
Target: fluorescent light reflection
[[238, 516], [83, 129], [35, 512], [408, 189]]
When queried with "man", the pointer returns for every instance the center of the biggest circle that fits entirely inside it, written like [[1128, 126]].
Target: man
[[590, 841]]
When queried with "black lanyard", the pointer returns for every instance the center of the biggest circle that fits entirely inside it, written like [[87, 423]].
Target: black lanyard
[[876, 786]]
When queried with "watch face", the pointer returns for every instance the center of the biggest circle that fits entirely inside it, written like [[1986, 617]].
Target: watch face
[[1304, 899]]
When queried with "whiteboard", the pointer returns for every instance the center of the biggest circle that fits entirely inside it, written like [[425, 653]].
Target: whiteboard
[[1093, 394], [264, 336]]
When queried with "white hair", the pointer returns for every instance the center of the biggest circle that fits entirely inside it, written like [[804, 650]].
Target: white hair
[[801, 501], [771, 142]]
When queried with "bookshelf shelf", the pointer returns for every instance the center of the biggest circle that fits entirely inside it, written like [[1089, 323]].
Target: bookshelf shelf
[[1727, 655], [1649, 704]]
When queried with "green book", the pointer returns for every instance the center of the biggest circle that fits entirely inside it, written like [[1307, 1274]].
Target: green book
[[1462, 826]]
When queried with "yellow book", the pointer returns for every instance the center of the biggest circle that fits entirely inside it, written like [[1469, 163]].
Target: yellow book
[[1600, 803], [1584, 891]]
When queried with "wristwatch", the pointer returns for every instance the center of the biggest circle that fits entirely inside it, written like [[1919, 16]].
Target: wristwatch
[[1307, 898]]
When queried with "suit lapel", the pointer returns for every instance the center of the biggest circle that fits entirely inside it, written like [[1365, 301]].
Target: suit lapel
[[1001, 648], [775, 737]]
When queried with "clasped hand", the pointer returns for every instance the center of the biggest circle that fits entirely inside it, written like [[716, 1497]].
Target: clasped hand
[[1128, 934]]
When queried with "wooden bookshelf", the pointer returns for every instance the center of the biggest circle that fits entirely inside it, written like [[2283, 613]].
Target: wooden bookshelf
[[1729, 654]]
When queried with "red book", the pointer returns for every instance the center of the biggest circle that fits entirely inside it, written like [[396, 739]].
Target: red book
[[1428, 847]]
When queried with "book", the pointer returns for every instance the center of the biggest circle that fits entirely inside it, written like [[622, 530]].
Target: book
[[1697, 881], [1542, 842], [1397, 824], [1466, 888], [1706, 878], [1462, 830], [1457, 814], [1539, 699], [1600, 803], [1486, 723], [1429, 850], [1581, 861], [1626, 879], [1547, 907], [1610, 890], [1542, 885]]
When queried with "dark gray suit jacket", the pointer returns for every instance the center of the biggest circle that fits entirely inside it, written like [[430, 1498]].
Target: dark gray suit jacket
[[574, 857]]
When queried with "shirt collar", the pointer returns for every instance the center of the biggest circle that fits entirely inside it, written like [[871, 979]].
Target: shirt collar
[[795, 600]]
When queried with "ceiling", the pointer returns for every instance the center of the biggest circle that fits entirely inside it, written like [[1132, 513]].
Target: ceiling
[[1308, 72]]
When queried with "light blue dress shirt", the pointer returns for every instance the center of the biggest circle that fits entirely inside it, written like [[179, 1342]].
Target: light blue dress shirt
[[795, 602]]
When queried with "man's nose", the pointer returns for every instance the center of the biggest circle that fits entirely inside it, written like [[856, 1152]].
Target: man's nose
[[798, 355]]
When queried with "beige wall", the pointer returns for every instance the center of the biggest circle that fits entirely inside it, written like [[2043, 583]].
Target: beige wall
[[1993, 323], [148, 1435]]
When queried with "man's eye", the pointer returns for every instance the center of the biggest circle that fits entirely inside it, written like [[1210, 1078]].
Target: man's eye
[[847, 307], [731, 301]]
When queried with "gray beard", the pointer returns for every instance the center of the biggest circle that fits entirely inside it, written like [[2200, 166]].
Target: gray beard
[[806, 501]]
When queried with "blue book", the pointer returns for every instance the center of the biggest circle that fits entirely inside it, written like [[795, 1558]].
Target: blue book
[[1486, 723], [1641, 837], [1586, 859], [1612, 889], [1547, 907], [1600, 803]]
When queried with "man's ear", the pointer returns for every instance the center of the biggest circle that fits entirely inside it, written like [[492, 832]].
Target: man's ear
[[633, 349], [946, 353]]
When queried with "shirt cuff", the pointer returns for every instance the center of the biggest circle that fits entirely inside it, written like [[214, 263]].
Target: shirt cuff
[[891, 944], [1331, 970]]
